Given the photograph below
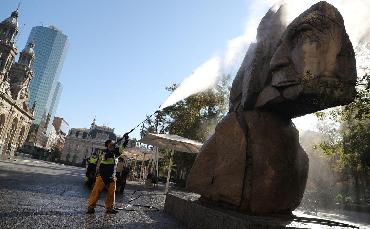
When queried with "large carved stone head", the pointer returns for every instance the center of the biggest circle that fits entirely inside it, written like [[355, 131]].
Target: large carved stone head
[[313, 66]]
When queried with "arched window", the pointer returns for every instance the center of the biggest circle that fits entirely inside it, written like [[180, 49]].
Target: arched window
[[21, 135], [2, 123], [13, 129]]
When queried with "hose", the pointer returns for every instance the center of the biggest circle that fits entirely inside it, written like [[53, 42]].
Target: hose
[[138, 205]]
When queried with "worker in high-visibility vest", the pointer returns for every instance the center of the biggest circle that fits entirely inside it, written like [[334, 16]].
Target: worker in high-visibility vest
[[93, 159], [91, 169], [106, 177]]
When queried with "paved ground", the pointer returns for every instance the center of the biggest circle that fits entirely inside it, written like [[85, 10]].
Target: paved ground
[[358, 219], [36, 194]]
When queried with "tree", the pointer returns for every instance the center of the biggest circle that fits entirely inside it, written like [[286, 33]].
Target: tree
[[194, 117], [347, 140]]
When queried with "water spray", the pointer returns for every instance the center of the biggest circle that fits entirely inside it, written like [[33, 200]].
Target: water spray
[[202, 78], [205, 75]]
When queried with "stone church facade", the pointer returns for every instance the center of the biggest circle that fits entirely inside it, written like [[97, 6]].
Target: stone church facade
[[15, 115]]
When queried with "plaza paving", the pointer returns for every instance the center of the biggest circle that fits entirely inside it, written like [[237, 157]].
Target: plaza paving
[[37, 194]]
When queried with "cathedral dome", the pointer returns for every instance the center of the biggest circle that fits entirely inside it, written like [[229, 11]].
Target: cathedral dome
[[27, 55], [29, 49]]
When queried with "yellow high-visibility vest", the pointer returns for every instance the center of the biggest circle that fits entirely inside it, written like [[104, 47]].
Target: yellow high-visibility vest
[[93, 159], [108, 161]]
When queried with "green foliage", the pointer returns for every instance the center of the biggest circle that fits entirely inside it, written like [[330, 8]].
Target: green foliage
[[339, 198], [347, 137], [194, 117]]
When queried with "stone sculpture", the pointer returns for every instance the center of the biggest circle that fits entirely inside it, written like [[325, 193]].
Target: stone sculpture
[[254, 163]]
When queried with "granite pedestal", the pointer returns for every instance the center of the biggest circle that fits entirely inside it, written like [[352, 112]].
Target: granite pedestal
[[193, 213]]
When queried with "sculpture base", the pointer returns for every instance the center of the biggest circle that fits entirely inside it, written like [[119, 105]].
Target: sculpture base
[[193, 213]]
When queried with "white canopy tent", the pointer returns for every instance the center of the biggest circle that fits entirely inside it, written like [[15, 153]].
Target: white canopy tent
[[174, 143], [141, 154]]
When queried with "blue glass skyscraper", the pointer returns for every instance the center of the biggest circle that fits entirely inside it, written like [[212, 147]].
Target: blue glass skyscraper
[[50, 49]]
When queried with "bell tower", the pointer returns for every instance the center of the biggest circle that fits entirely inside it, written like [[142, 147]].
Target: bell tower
[[8, 51], [9, 28], [27, 56], [93, 124], [20, 73]]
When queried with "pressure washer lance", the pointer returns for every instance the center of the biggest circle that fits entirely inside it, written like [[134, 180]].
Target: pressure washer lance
[[126, 134]]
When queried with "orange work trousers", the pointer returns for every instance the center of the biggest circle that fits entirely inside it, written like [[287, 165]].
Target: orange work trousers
[[98, 188]]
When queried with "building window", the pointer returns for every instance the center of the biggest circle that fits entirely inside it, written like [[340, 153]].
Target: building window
[[11, 133], [2, 123], [20, 139]]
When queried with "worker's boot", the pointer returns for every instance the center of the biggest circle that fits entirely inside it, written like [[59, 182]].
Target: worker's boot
[[111, 211], [90, 211]]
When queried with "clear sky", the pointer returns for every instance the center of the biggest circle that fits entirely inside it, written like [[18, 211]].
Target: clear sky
[[123, 53]]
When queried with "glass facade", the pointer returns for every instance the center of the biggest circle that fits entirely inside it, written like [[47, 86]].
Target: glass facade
[[54, 103], [61, 125], [50, 49], [64, 126]]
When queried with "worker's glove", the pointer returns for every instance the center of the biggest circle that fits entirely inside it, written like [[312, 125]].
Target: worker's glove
[[125, 136]]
